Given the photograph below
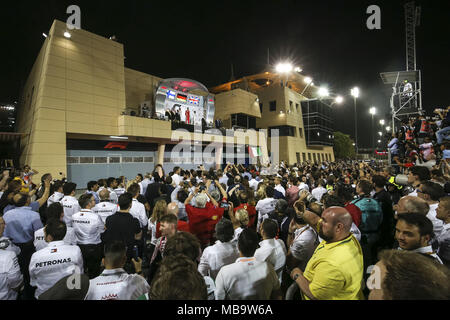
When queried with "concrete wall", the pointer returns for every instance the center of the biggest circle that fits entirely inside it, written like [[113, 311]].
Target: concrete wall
[[236, 101], [139, 87]]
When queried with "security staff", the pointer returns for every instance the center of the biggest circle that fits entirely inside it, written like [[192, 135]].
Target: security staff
[[55, 261], [69, 202], [88, 227], [105, 208], [115, 283]]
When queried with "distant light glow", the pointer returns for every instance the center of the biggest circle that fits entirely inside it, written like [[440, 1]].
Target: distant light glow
[[388, 128], [298, 69], [339, 100], [380, 133], [307, 80], [67, 35], [382, 122], [45, 36], [373, 110]]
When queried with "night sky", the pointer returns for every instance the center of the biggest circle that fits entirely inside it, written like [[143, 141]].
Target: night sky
[[199, 40]]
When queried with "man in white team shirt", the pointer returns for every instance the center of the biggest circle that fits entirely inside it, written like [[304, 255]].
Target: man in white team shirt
[[115, 283], [112, 184], [247, 278], [69, 202], [88, 228], [319, 191], [431, 192], [105, 208], [271, 250], [10, 276], [279, 187], [137, 209], [55, 261], [222, 253], [58, 195], [265, 206], [54, 211]]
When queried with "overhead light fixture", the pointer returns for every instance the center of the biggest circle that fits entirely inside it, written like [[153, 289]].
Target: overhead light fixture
[[339, 100], [45, 36], [307, 80], [117, 137], [355, 92], [67, 35], [372, 110], [283, 68]]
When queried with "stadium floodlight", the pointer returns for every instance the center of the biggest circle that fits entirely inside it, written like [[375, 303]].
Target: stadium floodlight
[[307, 80], [388, 128], [283, 68], [382, 122], [373, 110], [355, 92], [323, 92], [298, 69], [338, 99]]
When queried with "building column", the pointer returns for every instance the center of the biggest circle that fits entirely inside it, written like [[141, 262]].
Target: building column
[[161, 149], [219, 155]]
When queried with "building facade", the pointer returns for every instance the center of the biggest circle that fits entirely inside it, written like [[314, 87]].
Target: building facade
[[270, 101], [79, 115]]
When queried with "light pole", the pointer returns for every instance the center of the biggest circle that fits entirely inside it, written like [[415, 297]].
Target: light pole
[[372, 111], [355, 93]]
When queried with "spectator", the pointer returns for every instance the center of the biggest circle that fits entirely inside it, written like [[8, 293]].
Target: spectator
[[386, 239], [409, 276], [265, 205], [416, 176], [222, 253], [271, 250], [413, 232], [319, 191], [337, 272], [411, 204], [251, 210], [443, 213], [115, 283], [247, 278], [431, 192]]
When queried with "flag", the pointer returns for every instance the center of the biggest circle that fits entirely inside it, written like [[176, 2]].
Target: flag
[[193, 100], [53, 250], [181, 97], [171, 94], [254, 152]]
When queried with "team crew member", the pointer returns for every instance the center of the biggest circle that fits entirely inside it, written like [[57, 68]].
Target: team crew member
[[247, 278], [92, 188], [115, 283], [271, 250], [105, 208], [10, 276], [88, 228], [5, 243], [56, 261], [222, 253], [335, 271], [265, 206], [443, 213], [58, 195], [112, 184], [54, 211], [69, 202]]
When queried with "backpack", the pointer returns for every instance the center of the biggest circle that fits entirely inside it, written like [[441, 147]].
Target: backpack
[[372, 215]]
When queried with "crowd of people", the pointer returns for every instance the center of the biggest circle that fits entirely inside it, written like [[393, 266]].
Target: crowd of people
[[343, 230], [421, 140]]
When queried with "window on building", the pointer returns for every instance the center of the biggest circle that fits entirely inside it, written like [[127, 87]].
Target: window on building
[[298, 157], [261, 107], [114, 160], [290, 106], [125, 159], [297, 107], [300, 130], [304, 156], [243, 120], [283, 131], [273, 105], [309, 156]]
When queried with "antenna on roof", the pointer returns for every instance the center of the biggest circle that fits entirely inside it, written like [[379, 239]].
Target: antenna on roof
[[232, 78]]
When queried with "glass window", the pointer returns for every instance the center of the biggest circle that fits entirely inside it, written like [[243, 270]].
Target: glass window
[[273, 105], [114, 159], [86, 159], [73, 160], [261, 107], [138, 159], [148, 159], [101, 159], [125, 159]]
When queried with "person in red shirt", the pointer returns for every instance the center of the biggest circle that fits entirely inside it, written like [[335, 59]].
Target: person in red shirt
[[345, 195], [204, 216], [250, 209]]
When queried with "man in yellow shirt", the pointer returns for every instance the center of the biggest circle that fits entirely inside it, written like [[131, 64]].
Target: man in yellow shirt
[[335, 271]]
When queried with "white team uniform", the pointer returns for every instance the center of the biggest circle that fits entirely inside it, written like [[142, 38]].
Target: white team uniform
[[264, 207], [56, 197], [119, 192], [40, 243], [116, 284], [138, 211], [303, 246], [280, 188], [246, 279], [10, 276], [113, 196], [105, 209], [71, 207], [438, 225], [216, 256], [7, 245], [274, 252], [88, 227], [49, 265]]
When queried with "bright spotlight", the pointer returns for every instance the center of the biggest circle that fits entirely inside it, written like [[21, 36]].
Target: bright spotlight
[[67, 35], [355, 92], [388, 128], [283, 68], [307, 80], [45, 36], [323, 92], [372, 110], [380, 133], [382, 122], [298, 69]]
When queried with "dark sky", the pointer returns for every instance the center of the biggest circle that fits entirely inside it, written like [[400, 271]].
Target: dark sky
[[199, 40]]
